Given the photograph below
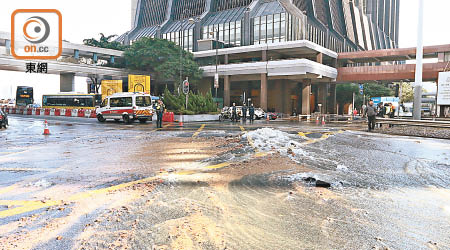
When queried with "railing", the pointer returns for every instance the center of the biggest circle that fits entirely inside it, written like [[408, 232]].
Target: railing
[[413, 123]]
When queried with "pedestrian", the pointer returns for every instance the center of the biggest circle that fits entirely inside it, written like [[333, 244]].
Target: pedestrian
[[251, 111], [371, 112], [244, 113], [160, 108], [234, 113], [364, 106]]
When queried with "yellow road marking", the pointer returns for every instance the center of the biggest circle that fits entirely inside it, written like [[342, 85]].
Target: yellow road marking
[[199, 130], [28, 206], [249, 138], [221, 165], [323, 137]]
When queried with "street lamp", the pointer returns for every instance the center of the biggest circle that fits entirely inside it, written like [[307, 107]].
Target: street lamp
[[216, 76], [190, 21]]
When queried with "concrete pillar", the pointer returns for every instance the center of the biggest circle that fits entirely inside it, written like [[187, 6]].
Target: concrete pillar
[[322, 96], [319, 58], [332, 100], [246, 34], [112, 59], [441, 57], [95, 57], [264, 55], [306, 97], [8, 47], [263, 104], [197, 34], [226, 91], [76, 54], [67, 82]]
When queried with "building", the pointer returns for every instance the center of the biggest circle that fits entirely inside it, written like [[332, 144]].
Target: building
[[260, 31]]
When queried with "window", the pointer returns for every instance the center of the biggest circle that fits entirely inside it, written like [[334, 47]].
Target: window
[[143, 101], [121, 102]]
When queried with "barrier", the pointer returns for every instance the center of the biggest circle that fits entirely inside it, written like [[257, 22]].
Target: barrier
[[57, 112], [81, 113], [169, 117], [74, 113], [29, 111], [68, 112], [47, 112]]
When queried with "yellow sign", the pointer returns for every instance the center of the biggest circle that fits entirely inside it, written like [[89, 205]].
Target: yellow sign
[[137, 83], [110, 87]]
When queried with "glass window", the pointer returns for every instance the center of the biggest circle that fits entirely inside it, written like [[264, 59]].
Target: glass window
[[143, 101], [121, 102]]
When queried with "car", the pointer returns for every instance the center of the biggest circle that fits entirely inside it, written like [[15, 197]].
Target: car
[[127, 107], [272, 116], [3, 119], [226, 113]]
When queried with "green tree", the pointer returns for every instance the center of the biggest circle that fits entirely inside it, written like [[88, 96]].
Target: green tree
[[197, 104], [344, 93], [105, 42], [162, 58], [407, 92]]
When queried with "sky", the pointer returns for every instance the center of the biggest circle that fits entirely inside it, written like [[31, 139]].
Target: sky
[[87, 18]]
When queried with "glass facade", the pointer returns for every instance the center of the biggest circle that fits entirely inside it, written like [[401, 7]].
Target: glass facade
[[271, 28], [229, 33], [188, 38]]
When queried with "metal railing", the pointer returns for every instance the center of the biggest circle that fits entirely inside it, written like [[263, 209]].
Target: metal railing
[[413, 123]]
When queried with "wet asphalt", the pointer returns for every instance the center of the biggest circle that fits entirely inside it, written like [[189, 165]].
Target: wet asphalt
[[388, 191]]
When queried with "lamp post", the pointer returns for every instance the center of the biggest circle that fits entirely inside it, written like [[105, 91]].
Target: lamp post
[[190, 21], [216, 76], [417, 113]]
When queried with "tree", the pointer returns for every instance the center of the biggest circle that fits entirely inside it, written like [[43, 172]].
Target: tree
[[344, 93], [407, 92], [162, 58], [105, 42]]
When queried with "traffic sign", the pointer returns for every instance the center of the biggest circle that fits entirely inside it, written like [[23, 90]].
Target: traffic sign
[[186, 87], [216, 81], [361, 89]]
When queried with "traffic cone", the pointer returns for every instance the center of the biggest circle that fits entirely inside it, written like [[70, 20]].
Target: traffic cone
[[181, 120], [323, 121], [267, 117], [46, 130], [317, 120]]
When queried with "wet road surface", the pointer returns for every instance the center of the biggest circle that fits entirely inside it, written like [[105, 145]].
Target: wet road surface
[[219, 186]]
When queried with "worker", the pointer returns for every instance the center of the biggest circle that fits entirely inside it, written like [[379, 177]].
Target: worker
[[234, 113], [251, 111], [244, 113], [160, 108], [371, 112]]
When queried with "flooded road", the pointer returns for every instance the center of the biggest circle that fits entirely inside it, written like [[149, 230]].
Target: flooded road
[[220, 186]]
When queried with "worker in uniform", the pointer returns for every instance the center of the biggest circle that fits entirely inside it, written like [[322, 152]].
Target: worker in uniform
[[371, 112], [234, 113], [251, 111], [160, 108], [244, 113]]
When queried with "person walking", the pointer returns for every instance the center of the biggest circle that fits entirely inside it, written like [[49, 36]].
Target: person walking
[[160, 108], [234, 113], [371, 112], [244, 113], [251, 111]]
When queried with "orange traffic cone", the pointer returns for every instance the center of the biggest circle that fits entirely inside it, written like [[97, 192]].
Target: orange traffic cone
[[317, 120], [323, 121], [267, 117], [46, 130], [181, 120]]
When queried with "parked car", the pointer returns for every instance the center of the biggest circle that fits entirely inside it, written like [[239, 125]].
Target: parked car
[[127, 107], [226, 113], [3, 119], [272, 116]]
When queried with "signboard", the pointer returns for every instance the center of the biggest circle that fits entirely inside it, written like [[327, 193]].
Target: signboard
[[393, 100], [139, 83], [443, 96], [216, 81], [361, 89], [110, 87]]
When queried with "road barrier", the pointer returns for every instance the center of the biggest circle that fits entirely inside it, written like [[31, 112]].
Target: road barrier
[[412, 123], [85, 113]]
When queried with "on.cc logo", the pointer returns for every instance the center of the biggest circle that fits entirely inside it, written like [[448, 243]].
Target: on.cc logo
[[36, 30]]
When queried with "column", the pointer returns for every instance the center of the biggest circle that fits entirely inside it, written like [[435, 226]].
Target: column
[[95, 57], [226, 91], [322, 96], [67, 82], [319, 58], [306, 97], [263, 104], [112, 60], [332, 100], [76, 54]]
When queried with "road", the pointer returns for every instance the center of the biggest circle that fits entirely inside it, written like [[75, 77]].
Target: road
[[219, 186]]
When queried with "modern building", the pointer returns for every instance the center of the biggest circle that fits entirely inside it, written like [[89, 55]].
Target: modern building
[[270, 32]]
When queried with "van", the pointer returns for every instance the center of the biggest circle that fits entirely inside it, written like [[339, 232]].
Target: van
[[127, 107]]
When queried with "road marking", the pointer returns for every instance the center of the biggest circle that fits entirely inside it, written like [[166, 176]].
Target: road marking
[[217, 166], [28, 206], [249, 139], [199, 131], [322, 138]]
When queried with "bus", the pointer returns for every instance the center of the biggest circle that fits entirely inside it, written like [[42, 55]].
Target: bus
[[72, 101], [24, 96]]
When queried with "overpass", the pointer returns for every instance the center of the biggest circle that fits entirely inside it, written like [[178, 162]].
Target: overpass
[[387, 65], [76, 60]]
